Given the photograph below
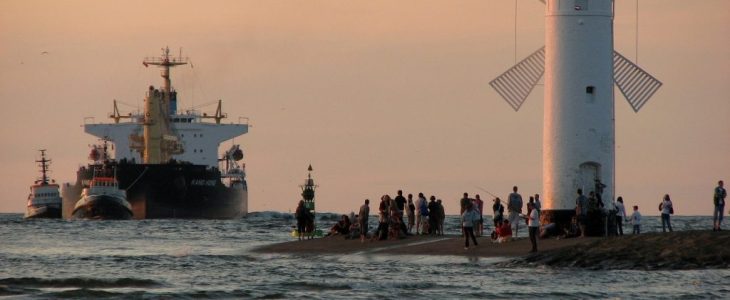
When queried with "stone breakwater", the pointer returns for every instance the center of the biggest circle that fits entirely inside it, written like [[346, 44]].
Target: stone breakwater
[[682, 250]]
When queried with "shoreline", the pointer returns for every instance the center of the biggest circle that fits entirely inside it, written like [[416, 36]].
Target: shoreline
[[418, 245], [679, 250]]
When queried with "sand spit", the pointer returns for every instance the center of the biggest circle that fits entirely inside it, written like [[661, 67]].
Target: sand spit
[[651, 251], [682, 250], [416, 245]]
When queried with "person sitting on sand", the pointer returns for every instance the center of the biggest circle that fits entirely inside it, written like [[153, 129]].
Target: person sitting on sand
[[504, 232], [636, 220], [549, 230], [354, 231], [394, 225], [341, 227]]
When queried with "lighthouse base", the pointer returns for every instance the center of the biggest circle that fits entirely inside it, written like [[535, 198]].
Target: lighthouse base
[[567, 224]]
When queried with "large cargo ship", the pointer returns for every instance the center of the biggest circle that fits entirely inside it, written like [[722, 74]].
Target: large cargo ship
[[167, 160]]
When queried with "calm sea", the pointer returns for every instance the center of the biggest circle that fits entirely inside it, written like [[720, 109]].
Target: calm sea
[[174, 259]]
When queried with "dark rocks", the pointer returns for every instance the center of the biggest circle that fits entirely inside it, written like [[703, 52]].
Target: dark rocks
[[654, 251]]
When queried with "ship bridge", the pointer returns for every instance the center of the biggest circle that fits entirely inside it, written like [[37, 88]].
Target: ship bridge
[[200, 138]]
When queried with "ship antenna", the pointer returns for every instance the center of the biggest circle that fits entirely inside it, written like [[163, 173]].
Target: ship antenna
[[44, 166], [165, 62]]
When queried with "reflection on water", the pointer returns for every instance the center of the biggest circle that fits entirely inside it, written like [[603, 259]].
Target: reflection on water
[[212, 259]]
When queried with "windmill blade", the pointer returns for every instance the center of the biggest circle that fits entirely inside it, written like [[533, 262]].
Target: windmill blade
[[636, 84], [515, 84]]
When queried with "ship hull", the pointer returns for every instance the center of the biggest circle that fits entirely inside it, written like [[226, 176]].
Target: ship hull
[[158, 191], [102, 207], [43, 212]]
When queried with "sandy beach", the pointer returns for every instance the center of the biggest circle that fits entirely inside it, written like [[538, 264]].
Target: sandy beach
[[418, 245], [677, 250]]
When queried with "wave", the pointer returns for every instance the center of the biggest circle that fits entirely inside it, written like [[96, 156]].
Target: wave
[[79, 282], [313, 286]]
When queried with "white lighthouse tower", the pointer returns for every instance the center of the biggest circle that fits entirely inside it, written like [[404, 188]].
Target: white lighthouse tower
[[580, 67]]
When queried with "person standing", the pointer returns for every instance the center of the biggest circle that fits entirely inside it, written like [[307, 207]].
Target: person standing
[[301, 215], [667, 209], [463, 203], [442, 217], [581, 211], [400, 203], [433, 215], [382, 232], [498, 210], [620, 215], [420, 217], [514, 209], [533, 225], [411, 213], [719, 201], [468, 219], [636, 220], [363, 216], [538, 205], [479, 206]]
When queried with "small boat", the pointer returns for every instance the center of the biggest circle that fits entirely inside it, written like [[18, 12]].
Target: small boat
[[103, 200], [44, 200]]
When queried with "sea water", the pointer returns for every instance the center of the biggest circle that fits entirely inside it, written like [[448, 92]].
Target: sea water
[[174, 259]]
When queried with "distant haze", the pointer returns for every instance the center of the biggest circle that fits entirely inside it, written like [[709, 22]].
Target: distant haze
[[376, 95]]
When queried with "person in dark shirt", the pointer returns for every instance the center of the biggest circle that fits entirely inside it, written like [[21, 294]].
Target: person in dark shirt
[[433, 215], [498, 210], [400, 202]]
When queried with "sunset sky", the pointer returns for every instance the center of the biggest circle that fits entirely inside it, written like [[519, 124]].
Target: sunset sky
[[376, 95]]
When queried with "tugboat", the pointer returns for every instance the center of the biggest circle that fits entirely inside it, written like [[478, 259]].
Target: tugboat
[[167, 160], [44, 200], [103, 199]]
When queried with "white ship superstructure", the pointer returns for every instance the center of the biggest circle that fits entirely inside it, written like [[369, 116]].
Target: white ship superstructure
[[200, 139]]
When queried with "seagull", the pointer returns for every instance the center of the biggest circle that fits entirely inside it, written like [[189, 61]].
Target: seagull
[[44, 52]]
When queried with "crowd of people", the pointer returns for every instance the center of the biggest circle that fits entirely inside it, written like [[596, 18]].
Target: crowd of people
[[399, 217]]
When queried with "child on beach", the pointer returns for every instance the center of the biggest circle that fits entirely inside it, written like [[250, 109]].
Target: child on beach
[[636, 220]]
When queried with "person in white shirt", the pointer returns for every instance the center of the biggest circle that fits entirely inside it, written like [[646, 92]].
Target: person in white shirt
[[533, 224], [468, 219], [620, 215], [420, 218], [666, 209], [636, 220]]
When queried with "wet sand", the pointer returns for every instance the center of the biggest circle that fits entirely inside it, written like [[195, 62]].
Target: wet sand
[[651, 251], [418, 245]]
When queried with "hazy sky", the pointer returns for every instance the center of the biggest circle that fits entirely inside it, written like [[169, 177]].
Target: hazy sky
[[376, 95]]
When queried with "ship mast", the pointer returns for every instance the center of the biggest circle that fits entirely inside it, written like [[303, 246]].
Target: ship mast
[[166, 62], [44, 167], [159, 141]]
